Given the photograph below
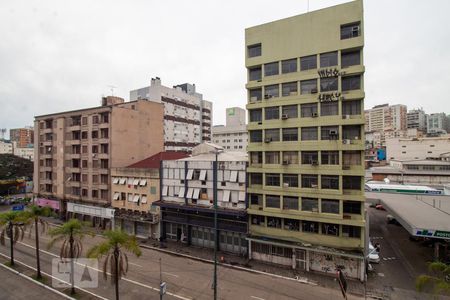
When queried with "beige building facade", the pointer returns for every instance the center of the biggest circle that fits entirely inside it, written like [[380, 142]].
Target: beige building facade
[[416, 148], [233, 136]]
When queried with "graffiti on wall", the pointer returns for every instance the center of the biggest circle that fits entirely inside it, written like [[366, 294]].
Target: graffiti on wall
[[330, 264]]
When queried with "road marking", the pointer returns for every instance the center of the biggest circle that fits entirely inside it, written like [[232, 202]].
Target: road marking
[[170, 274], [133, 264], [125, 279], [258, 298]]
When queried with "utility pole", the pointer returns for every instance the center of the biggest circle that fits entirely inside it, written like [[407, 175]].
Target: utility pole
[[160, 280], [215, 227]]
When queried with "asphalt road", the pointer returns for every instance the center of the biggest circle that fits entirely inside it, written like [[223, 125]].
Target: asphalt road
[[14, 287], [186, 278]]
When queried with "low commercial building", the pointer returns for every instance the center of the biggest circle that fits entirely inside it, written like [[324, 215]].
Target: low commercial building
[[416, 148], [134, 189], [233, 136], [6, 148], [187, 199]]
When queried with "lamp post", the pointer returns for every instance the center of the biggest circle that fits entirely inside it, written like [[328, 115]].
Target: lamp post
[[215, 168]]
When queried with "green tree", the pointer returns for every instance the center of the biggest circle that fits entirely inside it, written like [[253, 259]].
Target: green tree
[[71, 234], [438, 281], [114, 248], [35, 216], [12, 225]]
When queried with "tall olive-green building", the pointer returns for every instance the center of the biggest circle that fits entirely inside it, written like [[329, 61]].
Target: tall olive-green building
[[306, 140]]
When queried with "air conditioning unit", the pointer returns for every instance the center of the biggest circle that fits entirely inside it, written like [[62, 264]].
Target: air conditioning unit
[[345, 167], [253, 99], [267, 140], [346, 141], [259, 123], [314, 186], [355, 31], [285, 162], [346, 117], [314, 115], [267, 96], [313, 91], [315, 209], [332, 133], [285, 184], [284, 117]]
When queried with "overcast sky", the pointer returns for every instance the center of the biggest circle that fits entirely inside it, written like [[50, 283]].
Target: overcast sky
[[63, 55]]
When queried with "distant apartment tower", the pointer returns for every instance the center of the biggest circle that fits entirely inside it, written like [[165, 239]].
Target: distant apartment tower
[[306, 140], [438, 123], [233, 136], [386, 117], [187, 117], [416, 118], [75, 150], [24, 137]]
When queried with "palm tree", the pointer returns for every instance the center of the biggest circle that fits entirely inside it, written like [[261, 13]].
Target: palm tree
[[11, 224], [114, 248], [438, 281], [35, 218], [71, 234]]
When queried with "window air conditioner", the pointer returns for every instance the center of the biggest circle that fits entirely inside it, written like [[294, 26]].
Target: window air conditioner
[[253, 99], [315, 209], [333, 132], [268, 140], [314, 115], [284, 116], [314, 163], [285, 184], [346, 117], [313, 91], [346, 141], [285, 162]]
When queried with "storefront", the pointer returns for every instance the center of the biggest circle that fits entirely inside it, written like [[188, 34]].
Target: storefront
[[44, 202], [100, 217], [144, 225]]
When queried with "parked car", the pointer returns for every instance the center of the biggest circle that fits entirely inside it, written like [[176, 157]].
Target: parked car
[[373, 256], [379, 207], [391, 220]]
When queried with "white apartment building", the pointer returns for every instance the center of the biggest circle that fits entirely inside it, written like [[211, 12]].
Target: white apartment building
[[438, 123], [5, 148], [416, 148], [416, 118], [187, 117], [386, 118], [233, 136], [11, 148]]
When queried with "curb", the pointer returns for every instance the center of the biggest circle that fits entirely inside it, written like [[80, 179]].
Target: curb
[[298, 279]]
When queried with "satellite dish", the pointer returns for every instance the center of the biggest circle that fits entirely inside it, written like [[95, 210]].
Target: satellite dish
[[386, 180]]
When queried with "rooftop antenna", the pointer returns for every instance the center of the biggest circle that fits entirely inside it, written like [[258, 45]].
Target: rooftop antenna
[[112, 89]]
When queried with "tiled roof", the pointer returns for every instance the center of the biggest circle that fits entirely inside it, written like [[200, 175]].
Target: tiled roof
[[152, 162]]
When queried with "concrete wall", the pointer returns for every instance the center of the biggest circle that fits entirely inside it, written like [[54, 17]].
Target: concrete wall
[[421, 148]]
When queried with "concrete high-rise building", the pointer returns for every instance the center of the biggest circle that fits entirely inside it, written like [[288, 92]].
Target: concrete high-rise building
[[187, 117], [75, 150], [438, 123], [387, 119], [24, 137], [306, 140], [233, 136], [416, 118]]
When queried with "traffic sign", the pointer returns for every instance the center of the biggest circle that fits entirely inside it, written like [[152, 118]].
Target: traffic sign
[[162, 288], [19, 207]]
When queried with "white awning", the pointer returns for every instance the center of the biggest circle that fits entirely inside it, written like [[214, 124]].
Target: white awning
[[202, 175], [189, 193], [189, 174], [136, 198], [226, 196], [144, 199], [136, 182], [196, 194], [123, 180], [181, 192], [130, 180], [116, 180], [143, 182], [116, 196], [241, 196], [241, 176], [130, 197], [233, 176], [234, 199], [164, 191]]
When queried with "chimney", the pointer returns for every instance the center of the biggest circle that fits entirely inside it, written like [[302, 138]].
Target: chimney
[[111, 100]]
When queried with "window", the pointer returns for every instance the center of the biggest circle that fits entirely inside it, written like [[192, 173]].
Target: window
[[312, 227], [290, 202], [351, 231], [351, 107], [309, 133], [271, 69], [330, 206], [330, 182], [255, 94], [351, 182], [330, 229], [272, 135], [351, 83], [273, 201], [94, 134], [272, 113], [328, 59], [350, 30], [290, 180], [256, 199], [351, 158], [308, 110], [329, 108], [309, 157], [329, 157], [350, 58], [329, 133], [272, 157], [271, 91], [289, 89], [254, 50], [254, 73], [308, 86], [255, 136], [290, 134], [308, 62], [352, 132], [84, 135], [258, 220], [352, 207], [309, 181], [272, 179], [95, 149], [290, 157], [273, 222], [328, 84], [94, 194], [289, 66], [256, 157], [291, 111], [291, 224], [255, 115], [255, 178]]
